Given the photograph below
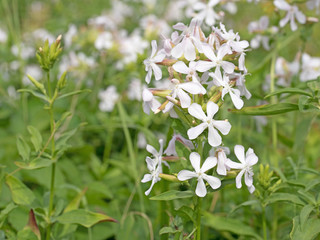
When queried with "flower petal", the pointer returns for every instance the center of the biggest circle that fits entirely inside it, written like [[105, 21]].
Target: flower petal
[[209, 163], [223, 126], [201, 189], [192, 87], [194, 132], [212, 109], [195, 161], [152, 150], [238, 179], [185, 175], [214, 138], [248, 179], [233, 165], [181, 67], [185, 99], [196, 111], [146, 178], [214, 182], [189, 50], [239, 152], [157, 71]]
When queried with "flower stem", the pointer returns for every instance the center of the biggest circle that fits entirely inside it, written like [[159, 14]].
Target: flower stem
[[264, 223], [53, 167], [198, 222]]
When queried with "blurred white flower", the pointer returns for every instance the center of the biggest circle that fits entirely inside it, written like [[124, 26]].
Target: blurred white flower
[[142, 141], [108, 98], [310, 69], [103, 41], [153, 25], [151, 65], [221, 156], [3, 36], [34, 71], [171, 149], [24, 51], [246, 163], [42, 34], [69, 35], [206, 13], [311, 4], [292, 14], [135, 89], [214, 138], [259, 27], [199, 173], [285, 70]]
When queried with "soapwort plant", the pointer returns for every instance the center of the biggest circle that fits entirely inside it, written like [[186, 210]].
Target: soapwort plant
[[202, 70]]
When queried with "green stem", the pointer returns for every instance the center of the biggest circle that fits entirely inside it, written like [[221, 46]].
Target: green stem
[[53, 167], [264, 223], [198, 222]]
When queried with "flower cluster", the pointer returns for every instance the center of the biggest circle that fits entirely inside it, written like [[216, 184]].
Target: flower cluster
[[202, 71]]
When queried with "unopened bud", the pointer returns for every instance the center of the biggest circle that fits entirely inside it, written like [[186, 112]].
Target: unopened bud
[[62, 81], [37, 84]]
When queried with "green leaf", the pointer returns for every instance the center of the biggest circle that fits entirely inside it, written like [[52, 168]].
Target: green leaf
[[23, 148], [304, 214], [74, 204], [228, 224], [309, 232], [186, 212], [36, 138], [26, 234], [73, 93], [279, 197], [20, 193], [34, 164], [268, 109], [289, 90], [307, 196], [244, 204], [4, 213], [36, 94], [171, 230], [173, 194], [83, 217], [314, 86]]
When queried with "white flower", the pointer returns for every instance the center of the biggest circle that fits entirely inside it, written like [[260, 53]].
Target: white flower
[[216, 60], [199, 173], [135, 89], [240, 83], [189, 40], [285, 70], [292, 13], [207, 122], [191, 71], [225, 83], [150, 63], [149, 101], [103, 41], [108, 99], [171, 149], [310, 68], [3, 36], [311, 4], [206, 12], [246, 163], [180, 90], [154, 165], [221, 155]]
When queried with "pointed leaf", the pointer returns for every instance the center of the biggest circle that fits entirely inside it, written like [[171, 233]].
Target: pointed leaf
[[83, 217], [173, 194], [36, 138], [20, 193], [73, 93], [34, 164], [304, 214], [289, 90], [74, 204], [278, 197], [36, 94], [227, 224], [23, 148], [268, 109]]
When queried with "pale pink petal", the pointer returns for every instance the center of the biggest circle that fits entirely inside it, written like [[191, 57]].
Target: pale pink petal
[[189, 50], [248, 179], [152, 150], [236, 100], [234, 165], [251, 189], [177, 50], [149, 190], [195, 161], [228, 67], [252, 159], [192, 87], [146, 178], [207, 50], [212, 109], [204, 66], [196, 111], [154, 48], [300, 17], [223, 126], [181, 67], [185, 99], [293, 24], [157, 71], [146, 95], [283, 5], [238, 178], [194, 132], [209, 163], [285, 20], [148, 76], [214, 138], [186, 174], [179, 26], [214, 182], [201, 189], [239, 152]]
